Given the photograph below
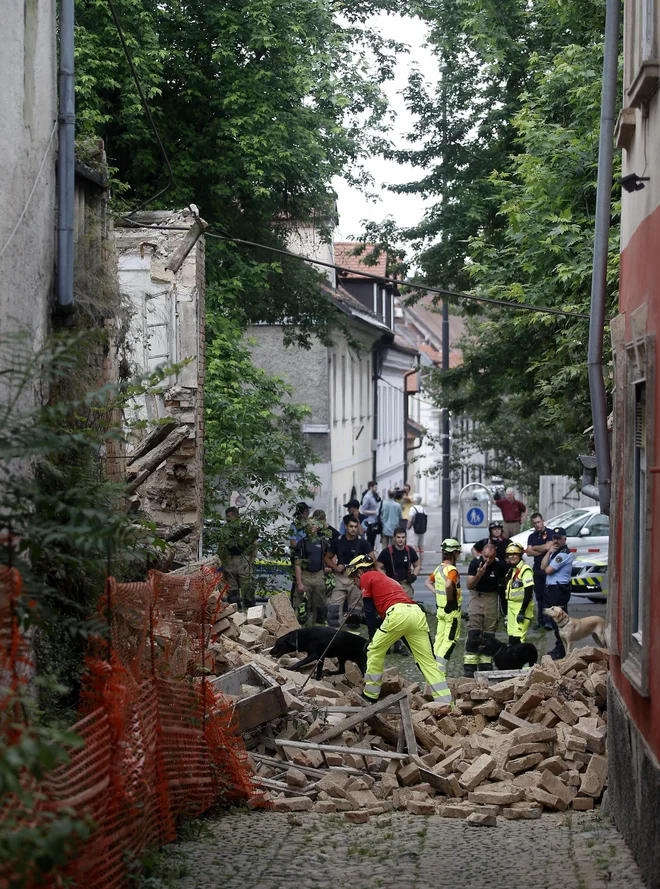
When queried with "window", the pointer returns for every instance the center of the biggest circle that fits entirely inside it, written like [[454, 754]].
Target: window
[[343, 388], [599, 526], [639, 511], [333, 358], [353, 411], [361, 388]]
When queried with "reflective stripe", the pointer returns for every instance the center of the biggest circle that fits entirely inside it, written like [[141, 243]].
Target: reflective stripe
[[372, 690], [442, 662], [367, 695], [440, 686], [471, 659], [373, 677]]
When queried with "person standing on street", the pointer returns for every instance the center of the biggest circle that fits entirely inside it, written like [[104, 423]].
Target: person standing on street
[[400, 562], [513, 512], [309, 599], [370, 509], [538, 543], [406, 502], [497, 538], [383, 597], [417, 524], [486, 584], [519, 595], [339, 555], [446, 585], [558, 566], [353, 509], [237, 552], [390, 517]]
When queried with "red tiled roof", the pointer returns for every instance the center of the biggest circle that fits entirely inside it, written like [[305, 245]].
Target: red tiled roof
[[345, 256]]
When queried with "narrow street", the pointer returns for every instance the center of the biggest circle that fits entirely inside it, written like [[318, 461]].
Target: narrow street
[[399, 851]]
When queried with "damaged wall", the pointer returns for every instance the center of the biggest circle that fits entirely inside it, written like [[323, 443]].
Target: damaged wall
[[166, 321]]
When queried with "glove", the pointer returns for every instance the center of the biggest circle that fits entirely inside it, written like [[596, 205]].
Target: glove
[[521, 617], [450, 606], [412, 578]]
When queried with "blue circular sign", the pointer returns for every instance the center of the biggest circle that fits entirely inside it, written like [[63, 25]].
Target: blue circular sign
[[475, 516]]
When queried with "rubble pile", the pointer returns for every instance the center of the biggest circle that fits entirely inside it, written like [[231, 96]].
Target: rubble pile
[[512, 748]]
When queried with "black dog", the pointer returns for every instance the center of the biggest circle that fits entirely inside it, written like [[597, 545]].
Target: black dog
[[315, 640], [509, 657]]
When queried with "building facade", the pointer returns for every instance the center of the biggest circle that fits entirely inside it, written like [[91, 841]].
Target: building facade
[[634, 588]]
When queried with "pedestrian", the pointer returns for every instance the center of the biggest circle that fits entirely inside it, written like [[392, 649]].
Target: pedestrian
[[557, 564], [417, 524], [497, 538], [339, 555], [298, 527], [406, 502], [353, 509], [400, 562], [519, 595], [401, 618], [370, 510], [390, 516], [513, 512], [309, 597], [237, 552], [538, 543], [486, 584], [446, 585]]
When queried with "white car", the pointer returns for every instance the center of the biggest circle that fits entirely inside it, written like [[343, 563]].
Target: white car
[[587, 531]]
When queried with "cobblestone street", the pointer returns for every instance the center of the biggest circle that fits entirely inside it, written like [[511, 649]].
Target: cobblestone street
[[259, 850]]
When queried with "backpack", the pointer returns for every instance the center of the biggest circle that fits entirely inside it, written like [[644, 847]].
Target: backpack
[[420, 521]]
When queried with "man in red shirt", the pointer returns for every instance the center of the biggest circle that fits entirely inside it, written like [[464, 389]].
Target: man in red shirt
[[513, 512], [401, 617]]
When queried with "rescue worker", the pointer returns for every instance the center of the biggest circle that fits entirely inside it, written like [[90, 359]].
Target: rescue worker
[[519, 594], [309, 596], [338, 557], [486, 584], [446, 585], [497, 538], [383, 597]]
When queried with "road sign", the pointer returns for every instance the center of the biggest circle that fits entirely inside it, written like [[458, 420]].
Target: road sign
[[475, 516]]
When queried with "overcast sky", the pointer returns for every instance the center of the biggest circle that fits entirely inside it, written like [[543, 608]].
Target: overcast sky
[[353, 206]]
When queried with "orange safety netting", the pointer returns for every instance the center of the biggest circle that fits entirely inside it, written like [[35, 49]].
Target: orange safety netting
[[159, 742]]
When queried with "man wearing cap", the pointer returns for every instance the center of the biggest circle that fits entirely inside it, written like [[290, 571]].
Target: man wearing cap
[[446, 585], [513, 512], [353, 509], [538, 543], [497, 538], [558, 566], [338, 557], [383, 597], [486, 584]]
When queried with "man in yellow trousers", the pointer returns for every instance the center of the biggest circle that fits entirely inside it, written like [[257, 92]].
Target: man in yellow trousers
[[401, 617], [446, 585]]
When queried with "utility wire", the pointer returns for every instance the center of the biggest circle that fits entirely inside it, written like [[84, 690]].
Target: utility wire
[[147, 110], [507, 304], [32, 191]]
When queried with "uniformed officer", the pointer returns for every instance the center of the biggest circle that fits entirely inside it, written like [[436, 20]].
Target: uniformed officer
[[538, 543], [446, 585], [519, 595], [497, 538], [485, 582], [558, 566]]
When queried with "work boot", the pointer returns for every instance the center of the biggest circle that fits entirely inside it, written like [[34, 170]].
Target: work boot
[[469, 670]]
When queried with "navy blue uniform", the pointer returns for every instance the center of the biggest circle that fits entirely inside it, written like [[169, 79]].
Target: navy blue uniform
[[538, 538]]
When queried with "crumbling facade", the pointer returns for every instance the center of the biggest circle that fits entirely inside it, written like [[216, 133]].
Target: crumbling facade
[[161, 280]]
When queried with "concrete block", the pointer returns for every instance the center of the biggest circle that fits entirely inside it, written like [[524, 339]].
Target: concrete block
[[293, 804], [421, 807], [555, 786], [324, 807], [256, 614], [496, 796], [523, 763], [295, 778], [477, 772], [357, 817], [594, 778], [481, 819], [582, 803]]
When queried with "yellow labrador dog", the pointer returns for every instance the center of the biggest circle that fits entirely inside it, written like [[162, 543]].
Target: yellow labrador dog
[[571, 629]]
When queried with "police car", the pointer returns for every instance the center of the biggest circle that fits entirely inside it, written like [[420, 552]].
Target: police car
[[589, 579], [587, 532]]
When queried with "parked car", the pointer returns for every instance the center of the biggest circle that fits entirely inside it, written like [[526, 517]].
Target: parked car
[[589, 579], [587, 531]]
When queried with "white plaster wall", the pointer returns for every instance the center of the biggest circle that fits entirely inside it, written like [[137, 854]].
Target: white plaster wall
[[424, 459], [28, 109], [391, 422], [306, 240]]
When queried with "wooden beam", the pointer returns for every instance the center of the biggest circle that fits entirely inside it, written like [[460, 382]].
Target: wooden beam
[[140, 471], [156, 434], [335, 748], [408, 730], [306, 770], [362, 716]]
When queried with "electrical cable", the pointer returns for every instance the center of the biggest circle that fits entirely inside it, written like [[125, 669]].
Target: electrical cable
[[147, 110], [32, 191], [489, 300]]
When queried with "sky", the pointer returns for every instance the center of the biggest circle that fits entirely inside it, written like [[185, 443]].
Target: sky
[[407, 210]]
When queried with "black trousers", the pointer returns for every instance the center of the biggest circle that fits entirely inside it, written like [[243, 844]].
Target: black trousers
[[540, 595], [557, 594]]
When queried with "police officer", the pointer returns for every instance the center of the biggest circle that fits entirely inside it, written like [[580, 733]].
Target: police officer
[[538, 543], [485, 582], [497, 538], [519, 595], [558, 566], [446, 585]]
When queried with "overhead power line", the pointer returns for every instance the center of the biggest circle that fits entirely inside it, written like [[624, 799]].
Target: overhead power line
[[488, 300]]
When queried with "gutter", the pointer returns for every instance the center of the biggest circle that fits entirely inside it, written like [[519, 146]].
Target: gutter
[[66, 165], [599, 274]]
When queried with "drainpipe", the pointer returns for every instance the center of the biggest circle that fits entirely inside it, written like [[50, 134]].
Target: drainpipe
[[601, 243], [66, 165], [406, 412]]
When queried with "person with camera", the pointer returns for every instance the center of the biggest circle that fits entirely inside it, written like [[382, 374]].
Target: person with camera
[[486, 584], [370, 509], [558, 566]]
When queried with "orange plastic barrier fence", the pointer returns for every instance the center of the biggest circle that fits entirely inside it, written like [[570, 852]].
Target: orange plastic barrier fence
[[158, 741]]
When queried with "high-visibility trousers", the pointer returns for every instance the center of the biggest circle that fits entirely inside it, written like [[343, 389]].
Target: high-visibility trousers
[[513, 628], [446, 636], [408, 621]]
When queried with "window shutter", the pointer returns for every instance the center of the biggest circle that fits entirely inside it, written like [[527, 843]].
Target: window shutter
[[640, 419]]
